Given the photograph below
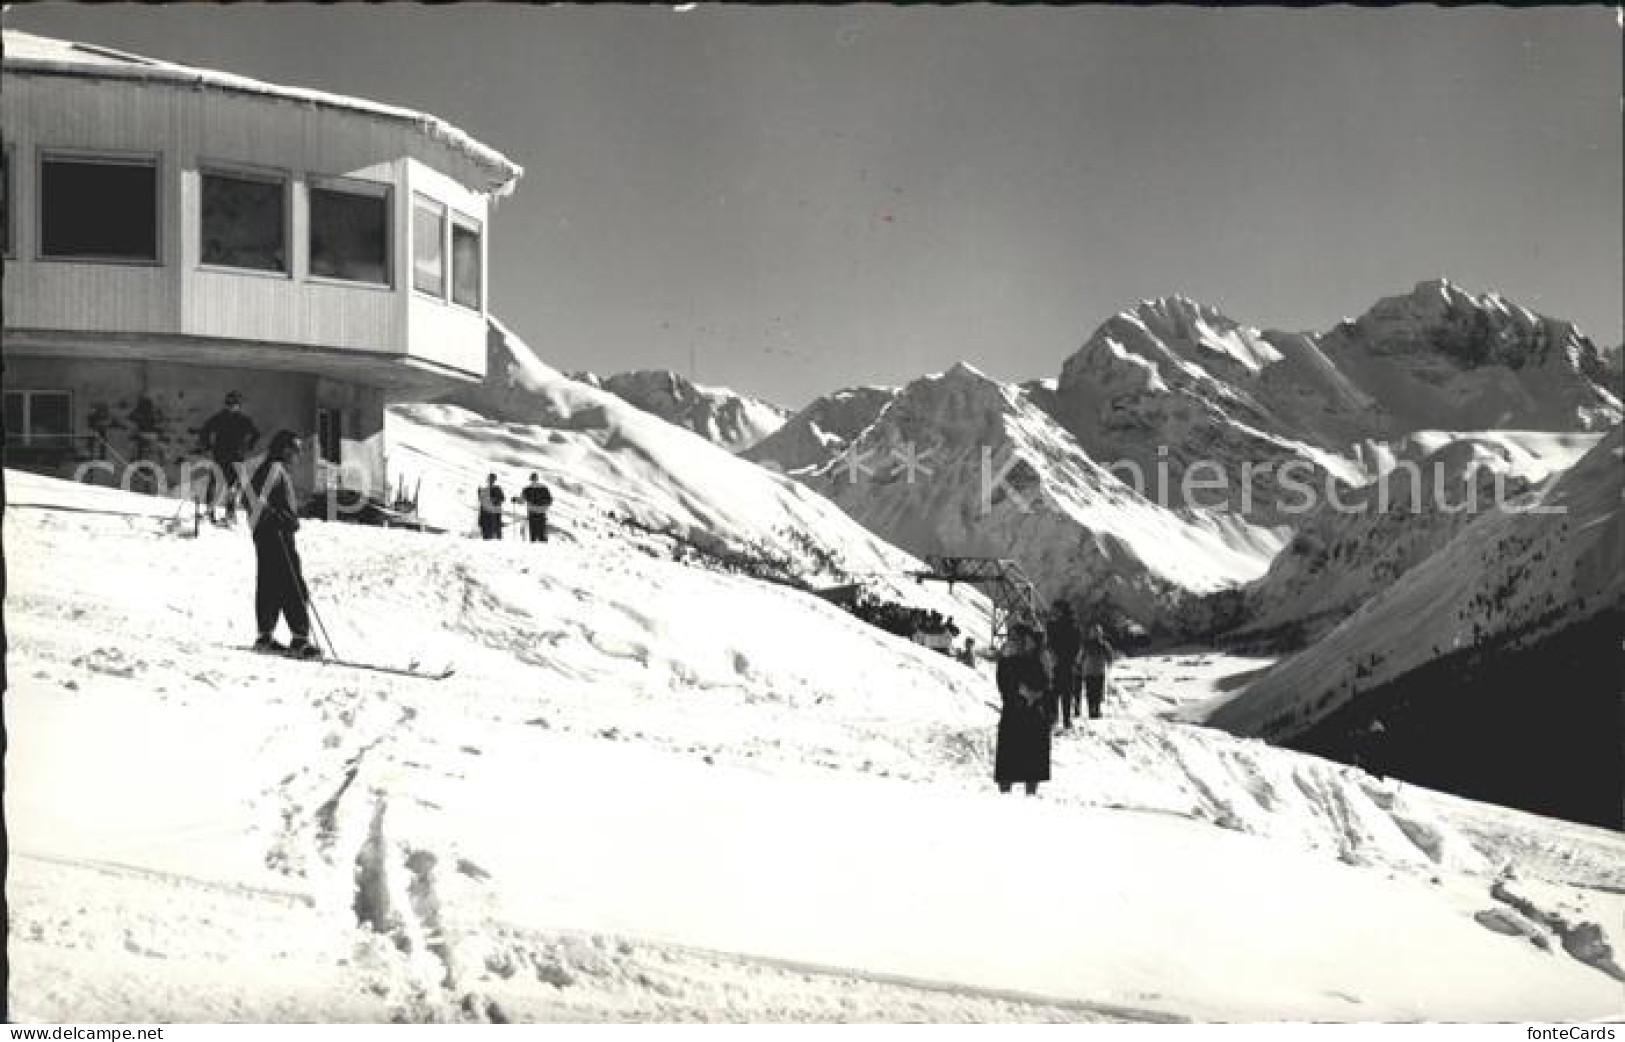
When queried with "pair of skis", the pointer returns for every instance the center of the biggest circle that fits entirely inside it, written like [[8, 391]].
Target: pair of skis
[[409, 670]]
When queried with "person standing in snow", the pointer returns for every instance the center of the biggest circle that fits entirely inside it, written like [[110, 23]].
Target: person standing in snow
[[1065, 642], [279, 588], [228, 437], [1024, 722], [537, 499], [1098, 655], [491, 499]]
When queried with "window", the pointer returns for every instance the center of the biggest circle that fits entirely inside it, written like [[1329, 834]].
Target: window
[[330, 435], [244, 221], [98, 208], [42, 418], [349, 232], [466, 276], [429, 247]]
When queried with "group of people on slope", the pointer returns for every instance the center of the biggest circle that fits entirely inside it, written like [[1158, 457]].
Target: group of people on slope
[[536, 497], [925, 627], [229, 437], [1044, 677]]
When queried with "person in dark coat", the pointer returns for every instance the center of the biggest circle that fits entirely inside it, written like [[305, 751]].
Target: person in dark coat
[[537, 499], [1098, 655], [1024, 723], [228, 437], [491, 499], [279, 589], [1065, 642]]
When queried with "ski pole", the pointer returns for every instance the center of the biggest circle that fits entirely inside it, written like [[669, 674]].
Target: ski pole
[[304, 594]]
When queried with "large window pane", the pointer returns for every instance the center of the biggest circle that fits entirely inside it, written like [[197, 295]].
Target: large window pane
[[98, 209], [349, 234], [244, 223], [429, 247], [465, 265]]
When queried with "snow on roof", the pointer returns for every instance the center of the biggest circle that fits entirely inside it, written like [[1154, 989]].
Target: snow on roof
[[25, 52]]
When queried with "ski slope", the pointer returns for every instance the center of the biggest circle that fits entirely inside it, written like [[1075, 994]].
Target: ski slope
[[657, 792]]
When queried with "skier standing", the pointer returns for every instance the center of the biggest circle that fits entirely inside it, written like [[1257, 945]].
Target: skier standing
[[228, 437], [1098, 655], [491, 499], [279, 589], [537, 500], [1065, 641], [1024, 723]]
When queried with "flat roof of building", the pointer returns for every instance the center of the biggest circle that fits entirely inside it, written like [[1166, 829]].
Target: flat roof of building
[[28, 53]]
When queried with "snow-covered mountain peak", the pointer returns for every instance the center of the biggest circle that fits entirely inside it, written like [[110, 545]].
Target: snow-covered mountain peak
[[821, 431], [1461, 323], [1168, 341], [720, 415]]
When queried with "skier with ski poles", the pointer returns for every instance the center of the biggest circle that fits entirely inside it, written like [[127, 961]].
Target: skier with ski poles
[[279, 588]]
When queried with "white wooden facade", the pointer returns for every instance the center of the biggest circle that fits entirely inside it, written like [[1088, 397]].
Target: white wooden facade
[[379, 341]]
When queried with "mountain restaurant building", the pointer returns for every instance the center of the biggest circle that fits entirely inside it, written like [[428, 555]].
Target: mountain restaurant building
[[173, 233]]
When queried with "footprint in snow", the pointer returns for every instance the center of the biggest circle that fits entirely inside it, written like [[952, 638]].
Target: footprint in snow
[[110, 661]]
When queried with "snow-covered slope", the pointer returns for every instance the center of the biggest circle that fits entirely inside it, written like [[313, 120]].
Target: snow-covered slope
[[1532, 455], [1529, 569], [962, 464], [1551, 569], [723, 417], [1433, 484], [621, 474], [656, 793], [823, 430]]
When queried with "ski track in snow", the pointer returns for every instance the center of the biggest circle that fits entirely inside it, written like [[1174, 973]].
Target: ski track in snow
[[288, 841]]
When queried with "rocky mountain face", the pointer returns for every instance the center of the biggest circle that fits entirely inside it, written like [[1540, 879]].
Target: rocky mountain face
[[1237, 436], [1176, 383], [959, 463]]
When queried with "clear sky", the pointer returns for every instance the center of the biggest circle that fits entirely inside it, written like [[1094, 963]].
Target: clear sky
[[798, 199]]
